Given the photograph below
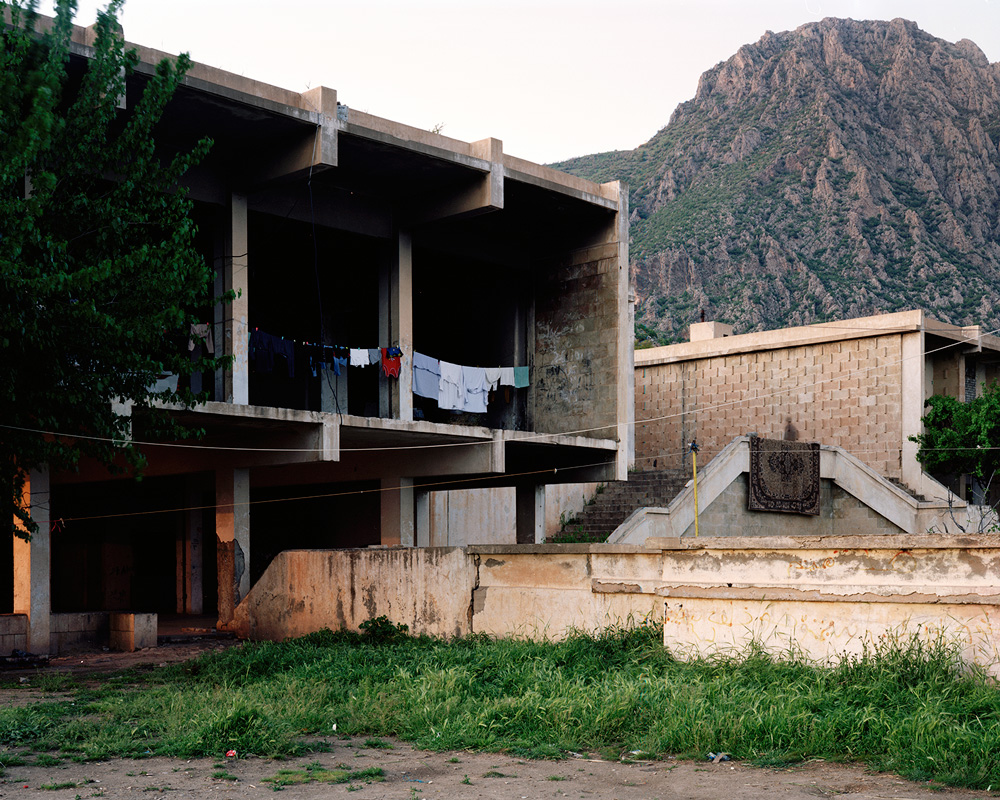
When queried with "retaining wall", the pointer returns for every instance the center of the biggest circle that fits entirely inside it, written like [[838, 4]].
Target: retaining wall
[[822, 596]]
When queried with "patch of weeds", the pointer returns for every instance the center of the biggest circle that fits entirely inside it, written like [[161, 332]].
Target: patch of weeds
[[46, 760], [494, 774], [56, 786], [454, 760], [466, 781], [159, 789], [378, 744], [13, 760], [54, 682], [224, 776], [557, 778], [315, 773]]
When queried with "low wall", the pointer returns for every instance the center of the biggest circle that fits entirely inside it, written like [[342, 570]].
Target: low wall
[[829, 596], [821, 596], [13, 633], [72, 631], [545, 591], [302, 591]]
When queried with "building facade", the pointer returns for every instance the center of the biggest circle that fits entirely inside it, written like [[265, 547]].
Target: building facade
[[859, 384], [341, 232]]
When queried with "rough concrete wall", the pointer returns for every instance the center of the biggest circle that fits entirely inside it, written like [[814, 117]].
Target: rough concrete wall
[[821, 597], [841, 514], [429, 589], [827, 599], [488, 516], [539, 595], [838, 393], [473, 516], [575, 370]]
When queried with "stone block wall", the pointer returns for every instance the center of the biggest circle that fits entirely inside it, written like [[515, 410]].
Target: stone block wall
[[845, 393], [13, 633], [575, 370], [70, 631]]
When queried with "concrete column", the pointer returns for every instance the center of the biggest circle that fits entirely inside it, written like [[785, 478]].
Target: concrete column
[[190, 564], [398, 522], [33, 565], [913, 383], [396, 327], [232, 529], [530, 501], [422, 517], [232, 329]]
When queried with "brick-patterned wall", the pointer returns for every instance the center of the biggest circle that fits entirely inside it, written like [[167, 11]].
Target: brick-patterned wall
[[575, 375], [845, 393]]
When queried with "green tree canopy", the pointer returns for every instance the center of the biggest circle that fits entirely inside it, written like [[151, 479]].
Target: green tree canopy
[[99, 274], [962, 438]]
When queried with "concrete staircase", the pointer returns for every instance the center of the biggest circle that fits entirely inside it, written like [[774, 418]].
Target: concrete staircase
[[618, 500]]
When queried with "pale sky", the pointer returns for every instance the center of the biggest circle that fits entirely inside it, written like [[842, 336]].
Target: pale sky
[[551, 78]]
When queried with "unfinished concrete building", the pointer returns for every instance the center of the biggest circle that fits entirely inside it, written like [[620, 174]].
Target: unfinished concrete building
[[342, 230]]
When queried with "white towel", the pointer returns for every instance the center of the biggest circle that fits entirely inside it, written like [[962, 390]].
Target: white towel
[[451, 390]]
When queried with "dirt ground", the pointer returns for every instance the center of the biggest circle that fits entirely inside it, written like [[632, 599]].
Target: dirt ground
[[411, 774]]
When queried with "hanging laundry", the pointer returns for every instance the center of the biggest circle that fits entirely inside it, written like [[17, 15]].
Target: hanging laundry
[[272, 353], [338, 364], [391, 361], [451, 390], [506, 376], [201, 331], [374, 355], [492, 378], [426, 376], [520, 377], [359, 357], [476, 389]]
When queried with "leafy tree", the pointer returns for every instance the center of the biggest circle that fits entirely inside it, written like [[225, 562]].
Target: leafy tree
[[99, 274], [962, 438]]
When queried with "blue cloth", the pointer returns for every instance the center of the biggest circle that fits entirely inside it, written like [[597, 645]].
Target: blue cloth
[[520, 377], [426, 376]]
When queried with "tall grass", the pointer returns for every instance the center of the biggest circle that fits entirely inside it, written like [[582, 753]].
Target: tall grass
[[904, 706]]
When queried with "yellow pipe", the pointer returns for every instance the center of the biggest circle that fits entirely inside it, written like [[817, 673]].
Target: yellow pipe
[[694, 464]]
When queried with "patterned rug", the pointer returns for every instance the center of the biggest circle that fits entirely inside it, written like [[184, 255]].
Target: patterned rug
[[784, 476]]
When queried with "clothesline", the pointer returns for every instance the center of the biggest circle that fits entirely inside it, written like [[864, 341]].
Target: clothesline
[[462, 388], [455, 387]]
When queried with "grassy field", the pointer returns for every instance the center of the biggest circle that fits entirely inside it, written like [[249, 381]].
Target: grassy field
[[905, 708]]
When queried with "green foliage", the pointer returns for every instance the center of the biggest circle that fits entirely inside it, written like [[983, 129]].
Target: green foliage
[[962, 438], [99, 275], [902, 705]]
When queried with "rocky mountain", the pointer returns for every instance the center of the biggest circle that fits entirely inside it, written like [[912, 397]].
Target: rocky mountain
[[842, 169]]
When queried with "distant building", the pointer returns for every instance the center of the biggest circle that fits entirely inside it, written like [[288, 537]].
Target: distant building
[[343, 231], [859, 384]]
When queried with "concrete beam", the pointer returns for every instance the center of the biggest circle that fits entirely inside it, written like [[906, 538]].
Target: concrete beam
[[483, 195], [315, 152]]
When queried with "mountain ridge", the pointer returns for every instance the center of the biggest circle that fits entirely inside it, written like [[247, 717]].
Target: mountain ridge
[[841, 169]]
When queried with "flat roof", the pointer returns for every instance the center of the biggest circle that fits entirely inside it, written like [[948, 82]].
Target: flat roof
[[915, 320]]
